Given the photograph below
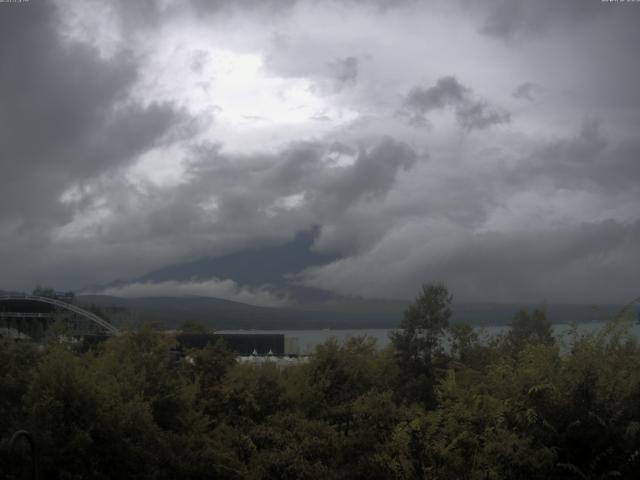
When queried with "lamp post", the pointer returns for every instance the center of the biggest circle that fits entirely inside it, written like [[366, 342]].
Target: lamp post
[[32, 444]]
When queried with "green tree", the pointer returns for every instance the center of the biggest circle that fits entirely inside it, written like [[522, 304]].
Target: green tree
[[292, 447], [194, 327], [418, 343], [86, 424], [41, 291], [253, 393], [530, 328], [19, 363], [210, 366]]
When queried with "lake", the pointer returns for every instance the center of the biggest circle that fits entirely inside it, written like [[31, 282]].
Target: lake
[[308, 339]]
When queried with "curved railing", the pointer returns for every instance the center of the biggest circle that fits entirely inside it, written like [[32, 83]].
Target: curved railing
[[67, 306]]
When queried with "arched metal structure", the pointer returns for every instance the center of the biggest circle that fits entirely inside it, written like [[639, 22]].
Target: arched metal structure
[[67, 306]]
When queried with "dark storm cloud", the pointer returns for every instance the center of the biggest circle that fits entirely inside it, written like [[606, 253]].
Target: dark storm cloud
[[151, 14], [558, 264], [140, 14], [241, 200], [479, 114], [244, 186], [228, 203], [545, 205], [527, 91], [447, 91], [470, 113], [372, 175], [586, 161], [345, 71], [510, 19], [220, 6], [65, 116], [283, 6]]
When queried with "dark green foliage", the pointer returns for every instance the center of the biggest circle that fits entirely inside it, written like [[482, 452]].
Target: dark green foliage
[[418, 344], [194, 327], [289, 446], [42, 291], [529, 328], [210, 366], [519, 406]]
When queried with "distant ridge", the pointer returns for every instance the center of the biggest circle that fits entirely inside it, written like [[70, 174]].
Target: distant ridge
[[171, 312], [216, 313], [267, 266]]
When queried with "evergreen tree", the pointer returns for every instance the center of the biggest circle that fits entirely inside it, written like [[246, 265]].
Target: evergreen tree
[[418, 343]]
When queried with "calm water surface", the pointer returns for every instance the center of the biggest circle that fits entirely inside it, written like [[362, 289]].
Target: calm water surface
[[308, 339]]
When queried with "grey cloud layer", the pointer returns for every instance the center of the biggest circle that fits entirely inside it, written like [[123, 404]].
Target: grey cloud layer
[[231, 202], [65, 115], [527, 91], [586, 161], [247, 190], [448, 92], [592, 262], [514, 19], [534, 193]]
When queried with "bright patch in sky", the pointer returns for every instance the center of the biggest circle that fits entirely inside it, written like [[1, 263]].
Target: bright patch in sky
[[247, 107], [291, 201], [161, 167], [340, 159], [85, 225]]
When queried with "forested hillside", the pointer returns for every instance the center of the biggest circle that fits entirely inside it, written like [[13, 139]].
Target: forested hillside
[[215, 313]]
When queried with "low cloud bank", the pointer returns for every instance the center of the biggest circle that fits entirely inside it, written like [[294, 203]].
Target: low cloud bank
[[223, 289]]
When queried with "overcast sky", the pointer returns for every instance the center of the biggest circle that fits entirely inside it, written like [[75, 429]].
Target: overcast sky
[[493, 145]]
